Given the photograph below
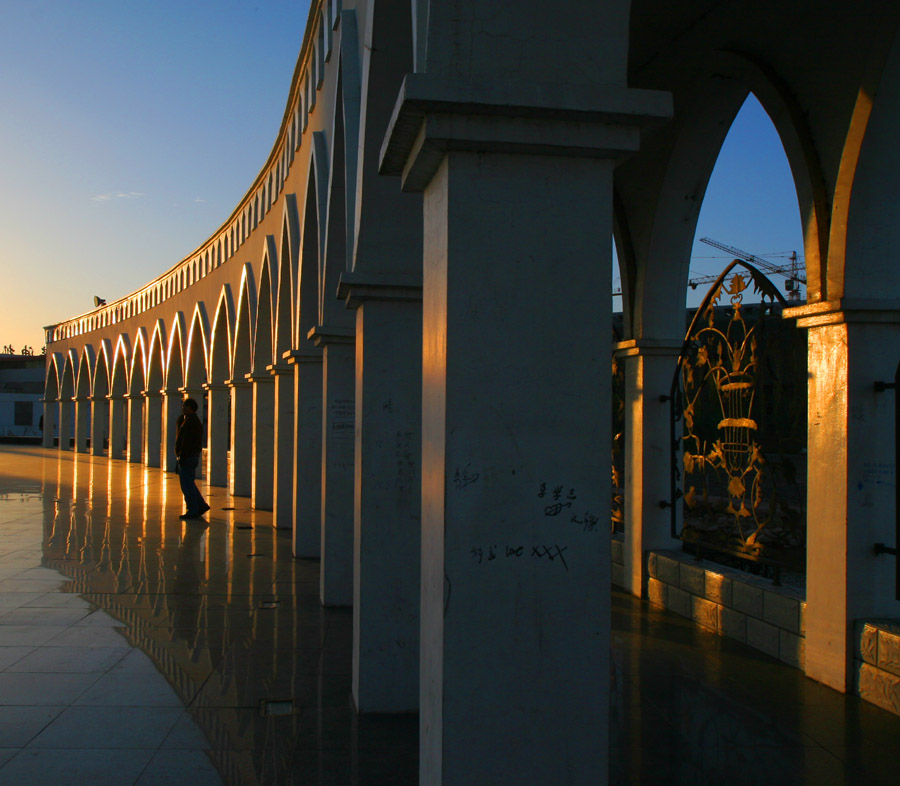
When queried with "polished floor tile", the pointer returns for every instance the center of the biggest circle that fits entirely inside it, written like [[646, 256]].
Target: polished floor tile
[[136, 648]]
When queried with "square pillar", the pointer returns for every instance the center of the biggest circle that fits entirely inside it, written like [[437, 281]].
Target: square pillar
[[99, 424], [283, 448], [118, 429], [51, 422], [387, 490], [240, 470], [307, 480], [82, 424], [649, 370], [65, 422], [850, 502], [338, 445], [515, 422], [171, 411], [218, 436], [152, 428], [135, 448], [263, 425]]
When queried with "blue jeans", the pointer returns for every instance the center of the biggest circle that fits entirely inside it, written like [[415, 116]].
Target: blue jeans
[[193, 499]]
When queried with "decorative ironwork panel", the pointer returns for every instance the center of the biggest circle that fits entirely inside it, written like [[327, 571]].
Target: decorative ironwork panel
[[739, 424]]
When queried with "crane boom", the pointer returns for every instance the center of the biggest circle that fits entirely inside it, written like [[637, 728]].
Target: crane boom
[[789, 271]]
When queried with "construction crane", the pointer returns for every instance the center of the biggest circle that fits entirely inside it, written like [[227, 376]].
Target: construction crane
[[790, 272]]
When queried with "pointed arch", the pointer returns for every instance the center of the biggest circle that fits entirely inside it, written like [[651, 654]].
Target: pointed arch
[[197, 354], [156, 358], [53, 379], [137, 379], [84, 380], [287, 276], [334, 253], [119, 375], [174, 368], [315, 222], [264, 327], [103, 369], [222, 338], [242, 355]]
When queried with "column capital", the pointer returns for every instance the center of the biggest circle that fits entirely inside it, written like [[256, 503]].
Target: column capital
[[279, 368], [215, 386], [355, 288], [633, 347], [844, 311], [436, 114], [322, 335], [237, 382], [296, 356], [197, 391], [151, 393], [255, 377]]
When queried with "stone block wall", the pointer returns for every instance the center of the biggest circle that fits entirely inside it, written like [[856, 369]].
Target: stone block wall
[[878, 663], [731, 602]]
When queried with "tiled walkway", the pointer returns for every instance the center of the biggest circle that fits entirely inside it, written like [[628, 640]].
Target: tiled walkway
[[139, 649]]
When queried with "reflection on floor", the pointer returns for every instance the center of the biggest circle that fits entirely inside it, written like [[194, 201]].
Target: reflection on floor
[[139, 649]]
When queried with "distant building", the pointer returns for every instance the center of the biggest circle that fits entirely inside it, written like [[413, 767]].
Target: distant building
[[21, 392]]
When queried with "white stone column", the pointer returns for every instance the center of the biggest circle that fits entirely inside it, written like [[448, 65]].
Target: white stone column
[[152, 427], [307, 479], [135, 448], [82, 424], [218, 437], [240, 470], [338, 445], [283, 449], [65, 423], [263, 448], [515, 422], [387, 490], [99, 424], [851, 463], [649, 370], [118, 431], [51, 421], [171, 410]]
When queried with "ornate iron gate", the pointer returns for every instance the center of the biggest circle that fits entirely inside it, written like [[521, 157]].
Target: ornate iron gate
[[737, 462]]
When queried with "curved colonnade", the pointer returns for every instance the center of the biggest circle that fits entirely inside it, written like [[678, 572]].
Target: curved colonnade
[[400, 367]]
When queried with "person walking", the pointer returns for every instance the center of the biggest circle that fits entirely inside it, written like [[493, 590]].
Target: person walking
[[188, 447]]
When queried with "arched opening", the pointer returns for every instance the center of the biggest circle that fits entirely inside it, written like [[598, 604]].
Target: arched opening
[[740, 398]]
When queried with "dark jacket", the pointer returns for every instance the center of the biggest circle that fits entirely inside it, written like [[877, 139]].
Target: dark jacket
[[188, 436]]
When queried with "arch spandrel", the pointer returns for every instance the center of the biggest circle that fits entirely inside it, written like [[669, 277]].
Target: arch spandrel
[[197, 352]]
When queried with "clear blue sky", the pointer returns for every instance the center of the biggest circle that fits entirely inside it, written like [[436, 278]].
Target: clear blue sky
[[130, 130]]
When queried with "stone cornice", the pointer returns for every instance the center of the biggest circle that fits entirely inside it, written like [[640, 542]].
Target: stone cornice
[[434, 115], [355, 288], [845, 310], [321, 335]]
